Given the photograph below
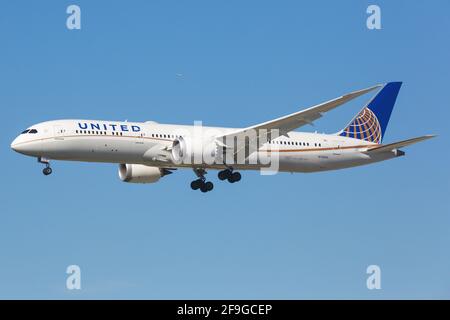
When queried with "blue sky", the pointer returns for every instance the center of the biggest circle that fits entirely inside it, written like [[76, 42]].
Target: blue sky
[[288, 236]]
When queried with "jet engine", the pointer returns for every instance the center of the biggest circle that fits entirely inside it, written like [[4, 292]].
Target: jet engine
[[196, 151], [139, 173]]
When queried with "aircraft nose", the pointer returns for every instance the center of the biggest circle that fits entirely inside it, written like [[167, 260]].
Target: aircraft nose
[[19, 146], [14, 145], [26, 147]]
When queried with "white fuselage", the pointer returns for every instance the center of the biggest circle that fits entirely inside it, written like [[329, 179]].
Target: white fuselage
[[130, 142]]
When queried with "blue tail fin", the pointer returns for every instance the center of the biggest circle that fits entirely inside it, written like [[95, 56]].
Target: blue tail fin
[[371, 122]]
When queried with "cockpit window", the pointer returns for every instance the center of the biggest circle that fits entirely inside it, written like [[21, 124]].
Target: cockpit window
[[32, 131], [25, 131]]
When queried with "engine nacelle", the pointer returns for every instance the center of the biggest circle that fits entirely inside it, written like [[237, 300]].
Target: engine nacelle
[[194, 151], [139, 173]]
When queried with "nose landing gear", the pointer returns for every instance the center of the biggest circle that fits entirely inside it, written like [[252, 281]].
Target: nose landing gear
[[47, 170]]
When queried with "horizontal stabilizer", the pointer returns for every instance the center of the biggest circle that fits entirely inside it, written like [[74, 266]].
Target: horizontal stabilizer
[[400, 144]]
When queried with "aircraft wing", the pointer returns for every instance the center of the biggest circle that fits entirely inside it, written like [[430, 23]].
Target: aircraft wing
[[158, 153], [297, 119], [269, 130], [400, 144]]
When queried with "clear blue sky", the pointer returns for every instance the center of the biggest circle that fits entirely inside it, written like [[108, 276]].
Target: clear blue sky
[[242, 62]]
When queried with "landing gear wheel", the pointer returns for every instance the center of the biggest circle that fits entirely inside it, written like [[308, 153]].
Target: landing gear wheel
[[47, 171], [224, 174], [196, 184], [209, 186], [203, 188], [201, 182], [235, 177]]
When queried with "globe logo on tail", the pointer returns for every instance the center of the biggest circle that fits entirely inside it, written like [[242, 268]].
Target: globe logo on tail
[[365, 126]]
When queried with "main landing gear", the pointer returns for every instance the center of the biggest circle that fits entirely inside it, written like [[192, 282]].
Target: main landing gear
[[205, 186], [47, 170], [201, 182], [229, 175]]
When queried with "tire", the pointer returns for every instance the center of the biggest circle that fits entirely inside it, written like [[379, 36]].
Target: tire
[[222, 175], [203, 188], [195, 184], [209, 186], [225, 174], [235, 177], [47, 171]]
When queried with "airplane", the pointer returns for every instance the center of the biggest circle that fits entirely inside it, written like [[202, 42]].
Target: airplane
[[148, 151]]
